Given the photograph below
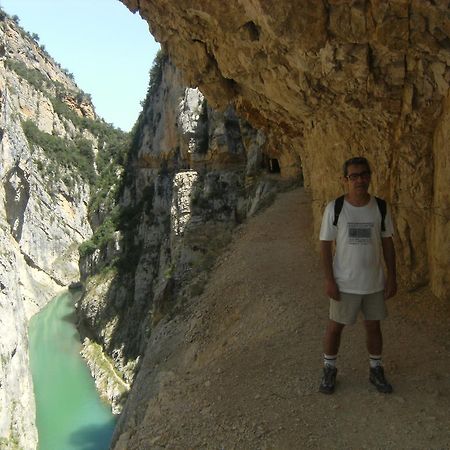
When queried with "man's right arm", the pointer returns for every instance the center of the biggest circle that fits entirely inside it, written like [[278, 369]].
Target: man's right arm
[[331, 288]]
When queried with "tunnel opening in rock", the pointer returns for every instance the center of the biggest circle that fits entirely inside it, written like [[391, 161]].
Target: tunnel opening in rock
[[274, 165]]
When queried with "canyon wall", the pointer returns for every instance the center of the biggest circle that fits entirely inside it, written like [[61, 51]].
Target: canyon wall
[[328, 80], [43, 213], [193, 174]]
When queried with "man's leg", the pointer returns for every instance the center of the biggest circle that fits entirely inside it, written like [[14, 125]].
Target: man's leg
[[374, 337], [374, 340], [332, 338], [331, 342]]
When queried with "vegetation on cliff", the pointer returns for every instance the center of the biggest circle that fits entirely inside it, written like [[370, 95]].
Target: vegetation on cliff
[[97, 150], [76, 155], [114, 177]]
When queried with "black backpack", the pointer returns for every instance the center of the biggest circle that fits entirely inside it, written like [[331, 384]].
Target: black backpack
[[339, 203]]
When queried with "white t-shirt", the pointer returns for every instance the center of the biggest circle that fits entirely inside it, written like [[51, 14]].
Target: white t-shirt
[[358, 260]]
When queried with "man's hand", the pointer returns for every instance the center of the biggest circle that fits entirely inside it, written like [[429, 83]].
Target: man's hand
[[332, 290], [390, 288]]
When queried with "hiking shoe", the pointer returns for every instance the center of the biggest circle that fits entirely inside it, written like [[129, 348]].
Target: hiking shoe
[[328, 380], [376, 377]]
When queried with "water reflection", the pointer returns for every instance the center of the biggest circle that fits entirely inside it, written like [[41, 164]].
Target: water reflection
[[92, 437]]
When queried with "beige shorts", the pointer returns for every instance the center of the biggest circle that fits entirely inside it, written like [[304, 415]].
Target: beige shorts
[[346, 310]]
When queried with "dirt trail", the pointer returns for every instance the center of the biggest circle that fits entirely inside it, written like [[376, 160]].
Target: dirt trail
[[243, 371]]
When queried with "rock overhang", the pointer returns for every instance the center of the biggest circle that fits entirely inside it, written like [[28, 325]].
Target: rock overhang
[[327, 80]]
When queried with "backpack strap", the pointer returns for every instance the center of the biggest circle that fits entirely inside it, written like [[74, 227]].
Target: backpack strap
[[338, 204], [383, 208]]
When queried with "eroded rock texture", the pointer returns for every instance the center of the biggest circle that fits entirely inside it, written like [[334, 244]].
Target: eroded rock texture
[[192, 175], [328, 80], [43, 215]]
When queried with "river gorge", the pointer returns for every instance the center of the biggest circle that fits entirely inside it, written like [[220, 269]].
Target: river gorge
[[69, 413], [244, 101]]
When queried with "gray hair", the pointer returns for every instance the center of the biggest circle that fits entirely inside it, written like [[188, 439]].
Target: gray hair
[[357, 161]]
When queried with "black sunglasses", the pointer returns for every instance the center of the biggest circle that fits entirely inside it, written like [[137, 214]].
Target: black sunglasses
[[354, 176]]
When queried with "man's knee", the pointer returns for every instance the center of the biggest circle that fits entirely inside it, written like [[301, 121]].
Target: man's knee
[[335, 327]]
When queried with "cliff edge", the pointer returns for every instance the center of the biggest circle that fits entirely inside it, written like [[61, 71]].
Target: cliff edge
[[240, 366]]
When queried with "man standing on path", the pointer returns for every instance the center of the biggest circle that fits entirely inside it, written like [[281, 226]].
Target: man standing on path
[[361, 227]]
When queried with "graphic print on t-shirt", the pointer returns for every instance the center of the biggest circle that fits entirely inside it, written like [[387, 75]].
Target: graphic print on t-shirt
[[359, 233]]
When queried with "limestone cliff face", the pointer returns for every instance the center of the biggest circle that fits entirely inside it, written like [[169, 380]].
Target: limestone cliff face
[[193, 174], [43, 216], [328, 80]]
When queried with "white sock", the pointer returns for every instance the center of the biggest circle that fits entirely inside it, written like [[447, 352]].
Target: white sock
[[329, 360], [375, 361]]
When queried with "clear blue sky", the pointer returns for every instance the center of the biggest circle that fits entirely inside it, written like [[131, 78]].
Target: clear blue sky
[[108, 49]]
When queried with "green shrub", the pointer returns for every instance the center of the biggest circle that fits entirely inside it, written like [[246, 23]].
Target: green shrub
[[156, 73], [103, 234], [87, 248], [33, 76], [77, 155]]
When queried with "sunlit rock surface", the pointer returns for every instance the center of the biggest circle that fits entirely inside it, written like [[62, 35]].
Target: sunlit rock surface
[[331, 80], [42, 222], [193, 174]]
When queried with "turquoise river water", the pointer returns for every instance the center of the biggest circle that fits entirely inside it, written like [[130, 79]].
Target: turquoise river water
[[69, 412]]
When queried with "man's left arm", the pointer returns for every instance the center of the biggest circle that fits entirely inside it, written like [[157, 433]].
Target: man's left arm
[[390, 288]]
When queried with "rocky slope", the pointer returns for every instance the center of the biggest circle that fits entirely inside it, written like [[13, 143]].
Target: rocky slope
[[192, 175], [240, 368], [327, 80], [44, 193]]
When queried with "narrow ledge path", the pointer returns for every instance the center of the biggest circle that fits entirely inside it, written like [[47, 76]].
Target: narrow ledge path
[[240, 368]]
